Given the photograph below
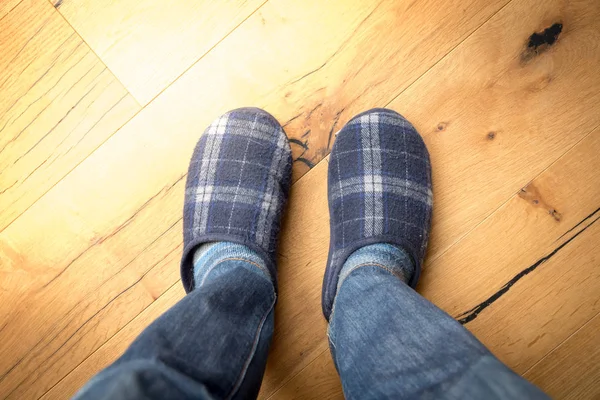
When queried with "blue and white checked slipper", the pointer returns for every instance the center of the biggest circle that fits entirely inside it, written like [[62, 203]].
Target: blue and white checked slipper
[[379, 192], [237, 185]]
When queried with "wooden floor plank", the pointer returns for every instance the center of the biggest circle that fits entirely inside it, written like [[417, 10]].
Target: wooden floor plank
[[305, 195], [147, 44], [541, 309], [322, 372], [571, 370], [113, 348], [296, 67], [485, 167], [7, 6], [514, 116], [114, 216], [553, 307], [382, 53], [112, 208], [119, 275], [58, 104]]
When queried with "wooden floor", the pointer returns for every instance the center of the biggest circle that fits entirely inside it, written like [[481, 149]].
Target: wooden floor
[[101, 104]]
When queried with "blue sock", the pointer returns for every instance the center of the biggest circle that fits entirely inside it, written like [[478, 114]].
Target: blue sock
[[208, 256], [390, 257]]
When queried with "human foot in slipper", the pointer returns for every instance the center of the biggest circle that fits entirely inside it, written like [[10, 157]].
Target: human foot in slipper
[[237, 184], [379, 190]]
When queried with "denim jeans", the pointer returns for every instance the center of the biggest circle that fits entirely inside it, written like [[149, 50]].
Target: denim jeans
[[386, 340]]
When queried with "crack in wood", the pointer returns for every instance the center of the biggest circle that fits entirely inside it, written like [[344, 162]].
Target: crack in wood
[[471, 314], [303, 160], [304, 145], [580, 222], [310, 113]]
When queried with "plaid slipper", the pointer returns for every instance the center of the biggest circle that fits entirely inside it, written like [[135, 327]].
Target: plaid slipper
[[237, 184], [379, 192]]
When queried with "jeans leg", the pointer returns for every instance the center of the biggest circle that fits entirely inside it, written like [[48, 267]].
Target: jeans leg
[[387, 341], [213, 344]]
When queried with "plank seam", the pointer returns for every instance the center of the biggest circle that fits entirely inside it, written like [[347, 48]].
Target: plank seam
[[410, 85], [54, 9], [116, 333], [413, 82], [11, 10], [492, 212], [560, 344], [207, 52], [450, 51], [472, 313], [296, 374], [129, 93]]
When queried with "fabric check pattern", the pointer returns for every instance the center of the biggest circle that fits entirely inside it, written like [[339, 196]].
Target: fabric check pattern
[[379, 192], [237, 185]]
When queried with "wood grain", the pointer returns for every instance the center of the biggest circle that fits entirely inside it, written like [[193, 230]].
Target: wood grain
[[126, 197], [123, 276], [542, 309], [116, 219], [319, 379], [550, 302], [473, 170], [554, 263], [148, 44], [571, 370], [491, 121], [389, 46], [58, 104], [114, 347], [7, 6]]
